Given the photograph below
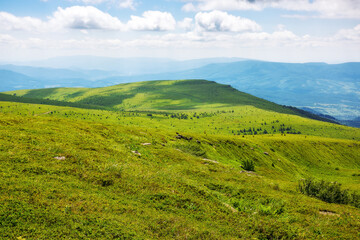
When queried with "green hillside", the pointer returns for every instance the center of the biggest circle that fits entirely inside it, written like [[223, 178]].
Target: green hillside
[[220, 109], [157, 95], [174, 167]]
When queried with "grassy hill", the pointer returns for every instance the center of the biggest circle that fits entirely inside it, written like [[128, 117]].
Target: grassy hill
[[160, 172], [156, 95], [222, 109]]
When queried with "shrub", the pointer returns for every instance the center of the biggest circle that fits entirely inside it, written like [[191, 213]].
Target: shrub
[[249, 165], [330, 192]]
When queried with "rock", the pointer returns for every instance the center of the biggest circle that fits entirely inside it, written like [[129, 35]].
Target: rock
[[136, 152], [231, 208], [179, 136], [209, 160], [146, 144], [327, 212], [249, 173], [266, 153], [60, 158]]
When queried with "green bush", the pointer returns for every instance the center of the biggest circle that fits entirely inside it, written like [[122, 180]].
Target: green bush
[[330, 192], [248, 165]]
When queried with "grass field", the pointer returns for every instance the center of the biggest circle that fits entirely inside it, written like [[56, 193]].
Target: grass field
[[76, 173]]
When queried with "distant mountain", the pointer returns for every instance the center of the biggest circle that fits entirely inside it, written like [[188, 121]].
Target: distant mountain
[[13, 80], [126, 66], [57, 73]]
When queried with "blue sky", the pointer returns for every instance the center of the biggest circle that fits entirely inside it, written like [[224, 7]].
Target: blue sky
[[274, 30]]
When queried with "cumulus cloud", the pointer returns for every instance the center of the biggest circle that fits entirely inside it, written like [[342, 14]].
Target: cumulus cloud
[[76, 17], [119, 3], [6, 38], [322, 8], [127, 4], [349, 34], [88, 18], [186, 24], [152, 21], [218, 21], [85, 17], [11, 22], [91, 1], [208, 5]]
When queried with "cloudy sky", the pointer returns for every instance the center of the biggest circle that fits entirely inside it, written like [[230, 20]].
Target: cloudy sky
[[275, 30]]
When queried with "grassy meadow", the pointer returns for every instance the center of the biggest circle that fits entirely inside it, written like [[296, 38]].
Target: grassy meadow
[[165, 160]]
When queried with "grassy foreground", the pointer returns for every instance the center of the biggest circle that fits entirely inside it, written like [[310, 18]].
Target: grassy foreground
[[71, 173]]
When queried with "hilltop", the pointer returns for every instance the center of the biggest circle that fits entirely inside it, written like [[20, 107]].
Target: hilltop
[[158, 95]]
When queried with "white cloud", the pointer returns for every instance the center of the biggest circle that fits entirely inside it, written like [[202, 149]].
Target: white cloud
[[186, 24], [76, 17], [349, 34], [91, 18], [152, 21], [118, 3], [217, 21], [127, 4], [208, 5], [281, 45], [189, 7], [321, 8], [84, 17], [11, 22], [6, 39], [91, 1]]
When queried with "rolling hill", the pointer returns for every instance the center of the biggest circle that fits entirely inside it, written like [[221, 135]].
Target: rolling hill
[[196, 97], [167, 160], [153, 95]]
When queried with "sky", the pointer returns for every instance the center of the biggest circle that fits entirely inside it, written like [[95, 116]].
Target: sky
[[271, 30]]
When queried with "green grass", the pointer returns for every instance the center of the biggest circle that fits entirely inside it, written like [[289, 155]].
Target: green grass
[[75, 173], [103, 190]]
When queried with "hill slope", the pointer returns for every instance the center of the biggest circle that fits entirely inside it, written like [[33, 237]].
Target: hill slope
[[191, 99], [156, 95], [71, 178], [167, 160]]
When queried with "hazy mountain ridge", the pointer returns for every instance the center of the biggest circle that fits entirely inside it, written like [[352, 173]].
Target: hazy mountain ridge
[[125, 66]]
